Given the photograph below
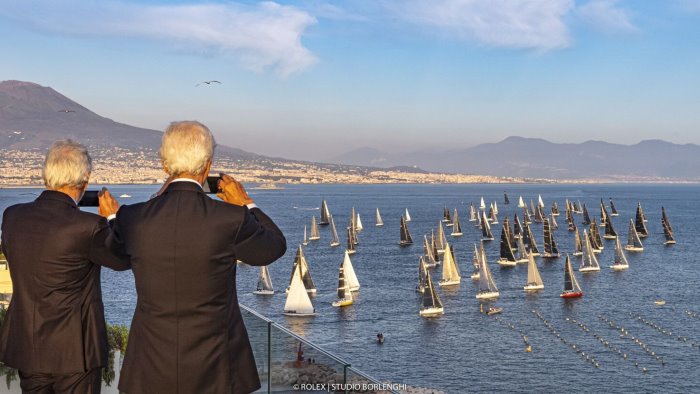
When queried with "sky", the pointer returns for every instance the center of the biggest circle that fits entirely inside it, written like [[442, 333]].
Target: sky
[[313, 79]]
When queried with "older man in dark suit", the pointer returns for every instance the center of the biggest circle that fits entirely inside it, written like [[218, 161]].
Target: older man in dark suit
[[187, 334], [54, 332]]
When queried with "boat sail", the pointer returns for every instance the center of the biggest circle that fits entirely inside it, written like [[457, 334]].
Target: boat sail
[[441, 239], [522, 252], [610, 232], [358, 223], [639, 224], [334, 234], [476, 261], [620, 262], [509, 231], [553, 221], [325, 214], [534, 280], [506, 200], [495, 207], [433, 244], [540, 203], [306, 240], [264, 286], [351, 249], [485, 228], [298, 302], [450, 270], [530, 241], [507, 257], [379, 222], [428, 255], [422, 275], [492, 215], [472, 213], [668, 231], [550, 246], [578, 244], [521, 203], [634, 244], [314, 236], [482, 205], [517, 227], [570, 220], [344, 295], [571, 287], [613, 210], [446, 216], [539, 215], [596, 241], [526, 216], [577, 207], [456, 227], [586, 217], [555, 209], [405, 235], [487, 287], [350, 276], [589, 262], [603, 214], [432, 306], [407, 216], [307, 281]]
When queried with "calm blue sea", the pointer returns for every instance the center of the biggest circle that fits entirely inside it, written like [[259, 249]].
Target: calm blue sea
[[464, 350]]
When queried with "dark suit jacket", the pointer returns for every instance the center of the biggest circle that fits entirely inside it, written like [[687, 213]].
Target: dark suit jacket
[[55, 322], [187, 334]]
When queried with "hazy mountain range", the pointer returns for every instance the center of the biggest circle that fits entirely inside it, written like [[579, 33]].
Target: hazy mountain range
[[538, 158]]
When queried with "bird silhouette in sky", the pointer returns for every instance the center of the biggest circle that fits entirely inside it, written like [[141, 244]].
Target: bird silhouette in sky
[[207, 83], [66, 110]]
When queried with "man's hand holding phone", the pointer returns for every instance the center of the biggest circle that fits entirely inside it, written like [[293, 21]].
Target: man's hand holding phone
[[232, 191], [108, 204]]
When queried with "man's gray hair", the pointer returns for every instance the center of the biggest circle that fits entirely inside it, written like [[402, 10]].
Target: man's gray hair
[[186, 148], [67, 163]]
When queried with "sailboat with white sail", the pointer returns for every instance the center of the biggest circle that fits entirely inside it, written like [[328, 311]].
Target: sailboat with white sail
[[640, 222], [620, 262], [472, 213], [315, 235], [517, 227], [325, 214], [450, 270], [428, 255], [540, 203], [571, 286], [350, 276], [495, 207], [405, 239], [550, 245], [482, 204], [298, 302], [476, 261], [307, 281], [521, 203], [351, 248], [344, 295], [358, 223], [553, 221], [487, 235], [379, 221], [596, 241], [555, 209], [534, 280], [522, 256], [456, 227], [668, 230], [264, 286], [335, 241], [578, 244], [422, 275], [306, 239], [589, 262], [441, 239], [432, 306], [407, 216], [634, 243], [492, 215], [487, 286]]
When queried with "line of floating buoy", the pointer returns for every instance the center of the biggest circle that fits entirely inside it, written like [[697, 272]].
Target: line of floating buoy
[[625, 334], [692, 314], [610, 346], [662, 330], [588, 357], [528, 346]]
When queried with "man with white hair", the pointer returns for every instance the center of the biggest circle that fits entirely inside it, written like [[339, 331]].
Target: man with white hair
[[187, 334], [54, 332]]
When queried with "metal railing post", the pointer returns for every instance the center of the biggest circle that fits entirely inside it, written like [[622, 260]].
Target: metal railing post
[[345, 377], [269, 357]]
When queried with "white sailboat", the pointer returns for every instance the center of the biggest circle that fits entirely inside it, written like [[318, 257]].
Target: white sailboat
[[264, 286], [350, 277], [379, 221], [429, 256], [589, 262], [476, 261], [298, 302], [487, 286], [306, 240], [522, 252], [534, 280], [407, 216], [358, 223], [335, 241], [315, 235], [495, 207], [432, 306], [540, 203], [578, 244], [521, 203], [634, 243], [422, 275], [450, 270], [620, 262], [456, 227], [482, 205], [487, 235], [344, 295], [441, 239], [325, 213]]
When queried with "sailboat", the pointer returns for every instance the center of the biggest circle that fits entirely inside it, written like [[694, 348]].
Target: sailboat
[[553, 221], [639, 222], [555, 209], [358, 223], [603, 214], [306, 240], [521, 203], [344, 295], [441, 239], [522, 252], [432, 306], [596, 241], [485, 228], [586, 217], [307, 281], [571, 286], [351, 245], [492, 215], [446, 218], [487, 287], [334, 234], [577, 207], [589, 262], [634, 244], [539, 215], [530, 241], [507, 257], [472, 213], [495, 207], [325, 214], [350, 277], [578, 244], [406, 216], [314, 236], [517, 227], [506, 200], [668, 231], [433, 245], [509, 232], [450, 271], [570, 220], [456, 227], [550, 246], [298, 302], [526, 216], [613, 210], [620, 262], [482, 205], [610, 232], [429, 256], [379, 221], [264, 286], [476, 261], [540, 203], [422, 275], [534, 280], [405, 235]]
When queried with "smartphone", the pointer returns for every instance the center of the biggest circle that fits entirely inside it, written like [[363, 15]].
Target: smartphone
[[90, 199], [211, 186]]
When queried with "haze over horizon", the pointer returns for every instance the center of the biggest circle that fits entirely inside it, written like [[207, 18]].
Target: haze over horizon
[[312, 79]]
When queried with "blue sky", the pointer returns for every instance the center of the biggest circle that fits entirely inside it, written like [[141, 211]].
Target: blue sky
[[312, 79]]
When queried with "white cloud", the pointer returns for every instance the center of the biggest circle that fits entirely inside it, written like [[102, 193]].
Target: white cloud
[[529, 24], [262, 37], [606, 15]]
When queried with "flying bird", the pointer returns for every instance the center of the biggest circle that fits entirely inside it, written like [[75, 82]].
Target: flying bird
[[66, 110], [207, 83]]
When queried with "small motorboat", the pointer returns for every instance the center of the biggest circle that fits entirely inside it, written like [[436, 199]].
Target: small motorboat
[[494, 310], [660, 302]]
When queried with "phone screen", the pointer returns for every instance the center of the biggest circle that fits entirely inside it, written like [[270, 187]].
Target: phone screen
[[211, 186], [90, 199]]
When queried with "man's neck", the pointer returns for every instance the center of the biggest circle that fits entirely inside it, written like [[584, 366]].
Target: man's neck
[[197, 178], [72, 192]]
